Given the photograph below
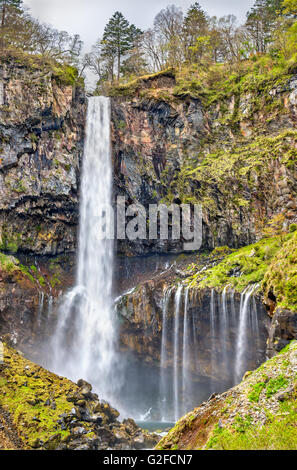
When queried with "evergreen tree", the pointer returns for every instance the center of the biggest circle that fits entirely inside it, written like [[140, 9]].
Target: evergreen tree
[[195, 26], [261, 22], [5, 6], [119, 37], [8, 10]]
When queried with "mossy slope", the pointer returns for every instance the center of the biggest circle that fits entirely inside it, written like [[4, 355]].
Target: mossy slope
[[271, 263], [258, 414], [51, 412], [25, 388]]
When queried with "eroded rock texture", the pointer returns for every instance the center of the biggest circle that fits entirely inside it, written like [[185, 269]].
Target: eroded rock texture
[[52, 413], [41, 139], [283, 330]]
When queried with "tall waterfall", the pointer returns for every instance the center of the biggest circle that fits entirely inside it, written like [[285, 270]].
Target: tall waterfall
[[220, 341], [84, 340]]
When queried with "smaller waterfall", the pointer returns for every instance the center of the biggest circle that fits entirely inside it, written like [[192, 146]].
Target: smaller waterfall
[[224, 327], [164, 355], [50, 307], [242, 343], [176, 382], [220, 342], [40, 308], [212, 337], [186, 385], [175, 332]]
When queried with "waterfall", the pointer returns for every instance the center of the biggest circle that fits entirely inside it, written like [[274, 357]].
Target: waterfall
[[220, 342], [212, 337], [186, 357], [164, 355], [242, 343], [84, 338], [40, 308], [176, 353], [224, 329]]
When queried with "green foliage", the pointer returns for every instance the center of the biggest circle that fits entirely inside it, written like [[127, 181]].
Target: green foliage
[[290, 7], [256, 392], [275, 226], [118, 38], [279, 433], [274, 385], [66, 74], [24, 393], [281, 277], [245, 266], [8, 263], [271, 262]]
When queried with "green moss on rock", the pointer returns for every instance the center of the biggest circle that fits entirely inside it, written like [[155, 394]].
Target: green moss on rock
[[234, 421]]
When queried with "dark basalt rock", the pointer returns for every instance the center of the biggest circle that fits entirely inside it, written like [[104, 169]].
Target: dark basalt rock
[[283, 330], [41, 149], [154, 139]]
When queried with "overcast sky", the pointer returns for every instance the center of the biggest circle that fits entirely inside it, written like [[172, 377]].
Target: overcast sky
[[88, 17]]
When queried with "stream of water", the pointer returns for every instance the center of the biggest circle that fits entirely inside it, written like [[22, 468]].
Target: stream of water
[[85, 334], [221, 340]]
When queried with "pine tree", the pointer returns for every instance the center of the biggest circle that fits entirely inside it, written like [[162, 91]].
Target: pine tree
[[8, 8], [4, 7], [261, 22], [119, 37], [195, 26]]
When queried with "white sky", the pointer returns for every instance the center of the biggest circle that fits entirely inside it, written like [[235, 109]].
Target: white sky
[[88, 17]]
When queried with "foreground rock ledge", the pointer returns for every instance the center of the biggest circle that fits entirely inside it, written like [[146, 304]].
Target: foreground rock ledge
[[50, 412], [260, 413]]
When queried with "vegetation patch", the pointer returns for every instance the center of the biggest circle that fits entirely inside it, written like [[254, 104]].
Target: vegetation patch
[[271, 263], [254, 395], [276, 384], [247, 417], [34, 398]]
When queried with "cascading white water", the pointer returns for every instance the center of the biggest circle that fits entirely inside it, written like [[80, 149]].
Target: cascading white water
[[164, 357], [186, 356], [176, 353], [241, 346], [224, 327], [84, 338], [232, 327], [40, 308], [212, 337]]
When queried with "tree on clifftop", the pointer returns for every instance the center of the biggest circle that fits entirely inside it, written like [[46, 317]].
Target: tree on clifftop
[[8, 11], [119, 37], [195, 26]]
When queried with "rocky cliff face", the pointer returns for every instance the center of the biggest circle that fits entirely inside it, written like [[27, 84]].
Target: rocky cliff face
[[41, 139], [233, 153], [30, 290], [283, 330], [151, 142]]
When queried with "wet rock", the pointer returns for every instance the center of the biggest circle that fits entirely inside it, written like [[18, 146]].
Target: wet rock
[[85, 388], [283, 330]]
